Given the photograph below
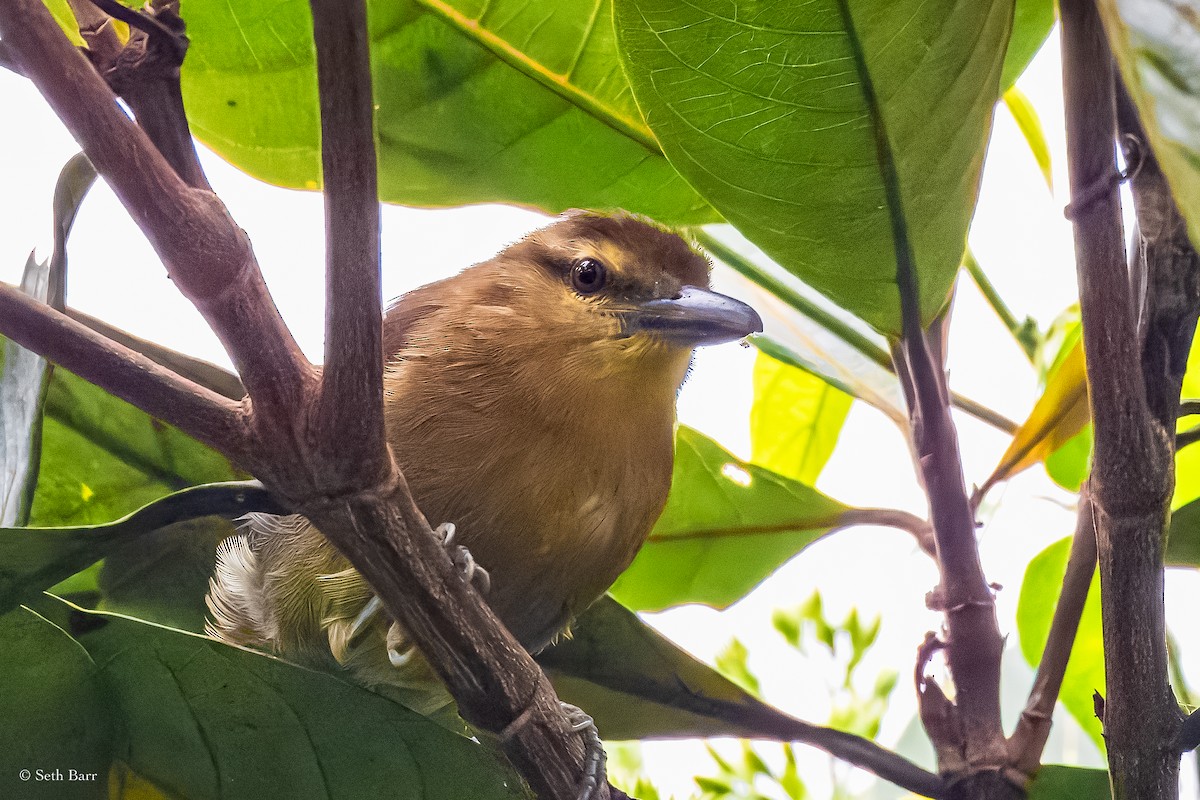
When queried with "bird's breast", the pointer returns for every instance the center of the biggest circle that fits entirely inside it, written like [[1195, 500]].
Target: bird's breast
[[554, 512]]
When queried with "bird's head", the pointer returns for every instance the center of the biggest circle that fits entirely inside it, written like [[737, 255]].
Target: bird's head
[[621, 292]]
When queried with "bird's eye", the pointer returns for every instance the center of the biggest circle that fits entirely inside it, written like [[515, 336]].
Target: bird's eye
[[587, 275]]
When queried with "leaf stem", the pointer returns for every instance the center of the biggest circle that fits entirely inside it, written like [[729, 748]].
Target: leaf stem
[[847, 333], [988, 290]]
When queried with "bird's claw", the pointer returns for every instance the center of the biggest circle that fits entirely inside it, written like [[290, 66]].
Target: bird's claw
[[462, 558], [368, 613], [593, 750]]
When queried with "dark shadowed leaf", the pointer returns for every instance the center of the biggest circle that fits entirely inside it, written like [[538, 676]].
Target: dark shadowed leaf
[[53, 713], [1035, 608], [102, 458], [637, 684], [34, 559], [727, 525], [476, 101], [1055, 782], [763, 109], [204, 720]]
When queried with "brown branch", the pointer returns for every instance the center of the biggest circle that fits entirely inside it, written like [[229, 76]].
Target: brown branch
[[145, 73], [1033, 728], [350, 409], [1132, 468], [215, 420], [206, 254], [920, 529], [198, 371], [496, 684]]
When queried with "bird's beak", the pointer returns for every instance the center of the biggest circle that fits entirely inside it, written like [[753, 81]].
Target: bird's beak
[[696, 317]]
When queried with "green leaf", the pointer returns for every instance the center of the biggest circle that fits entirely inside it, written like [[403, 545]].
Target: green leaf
[[1055, 422], [65, 17], [761, 107], [795, 420], [1069, 465], [1035, 609], [1157, 46], [803, 329], [1183, 538], [1026, 117], [34, 559], [204, 720], [727, 525], [637, 684], [55, 718], [476, 101], [103, 458], [1032, 23], [1054, 782]]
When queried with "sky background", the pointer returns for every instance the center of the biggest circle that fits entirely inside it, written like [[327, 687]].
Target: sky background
[[1019, 236]]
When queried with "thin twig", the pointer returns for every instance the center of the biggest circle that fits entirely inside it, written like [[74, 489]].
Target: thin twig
[[215, 420], [847, 333], [1033, 728], [989, 292]]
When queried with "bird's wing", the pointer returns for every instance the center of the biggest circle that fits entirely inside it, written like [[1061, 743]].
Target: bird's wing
[[404, 314]]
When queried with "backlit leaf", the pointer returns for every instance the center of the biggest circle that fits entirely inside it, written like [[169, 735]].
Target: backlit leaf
[[1035, 608], [727, 525], [1058, 417], [476, 101], [795, 419], [763, 109]]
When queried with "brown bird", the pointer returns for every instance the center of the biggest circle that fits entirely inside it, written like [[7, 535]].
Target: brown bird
[[530, 400]]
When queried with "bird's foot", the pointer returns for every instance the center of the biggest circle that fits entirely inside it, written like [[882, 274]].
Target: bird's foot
[[471, 571], [593, 750], [463, 561]]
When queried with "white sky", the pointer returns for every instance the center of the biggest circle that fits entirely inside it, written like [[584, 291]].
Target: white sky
[[1019, 235]]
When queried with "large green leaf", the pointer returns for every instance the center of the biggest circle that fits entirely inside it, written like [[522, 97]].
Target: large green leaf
[[102, 458], [727, 525], [1032, 22], [476, 101], [1035, 609], [765, 110], [34, 559], [1183, 540], [637, 685], [54, 721], [204, 720], [795, 419], [1157, 46]]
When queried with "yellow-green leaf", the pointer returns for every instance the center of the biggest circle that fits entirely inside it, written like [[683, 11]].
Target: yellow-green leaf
[[795, 420], [1058, 416]]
